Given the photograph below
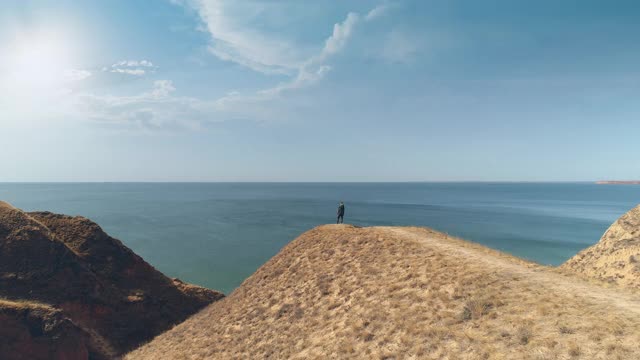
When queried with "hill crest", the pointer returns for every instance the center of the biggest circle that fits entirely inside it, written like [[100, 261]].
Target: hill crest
[[339, 291], [616, 257]]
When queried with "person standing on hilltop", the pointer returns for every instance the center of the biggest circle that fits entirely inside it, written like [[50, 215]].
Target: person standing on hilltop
[[340, 213]]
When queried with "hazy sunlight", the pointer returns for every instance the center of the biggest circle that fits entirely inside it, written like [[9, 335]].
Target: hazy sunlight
[[36, 65]]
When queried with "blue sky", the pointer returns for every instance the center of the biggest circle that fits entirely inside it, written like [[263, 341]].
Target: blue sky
[[222, 90]]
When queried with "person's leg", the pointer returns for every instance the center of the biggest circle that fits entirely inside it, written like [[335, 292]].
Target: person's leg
[[338, 220]]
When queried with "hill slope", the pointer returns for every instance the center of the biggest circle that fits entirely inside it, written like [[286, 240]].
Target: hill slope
[[35, 331], [399, 293], [92, 279], [616, 257]]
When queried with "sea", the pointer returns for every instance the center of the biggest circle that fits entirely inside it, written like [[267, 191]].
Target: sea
[[218, 234]]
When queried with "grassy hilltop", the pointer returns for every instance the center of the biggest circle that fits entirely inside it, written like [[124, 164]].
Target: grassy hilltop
[[340, 291]]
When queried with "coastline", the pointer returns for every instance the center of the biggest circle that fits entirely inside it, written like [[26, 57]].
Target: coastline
[[618, 182]]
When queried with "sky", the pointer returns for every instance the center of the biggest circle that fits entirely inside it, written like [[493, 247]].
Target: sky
[[290, 90]]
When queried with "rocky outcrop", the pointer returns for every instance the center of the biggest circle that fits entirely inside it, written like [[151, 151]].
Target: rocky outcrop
[[92, 279], [32, 331], [616, 257]]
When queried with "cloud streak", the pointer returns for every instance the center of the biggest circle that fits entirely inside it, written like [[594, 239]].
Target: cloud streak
[[312, 69], [131, 67], [231, 41], [155, 109]]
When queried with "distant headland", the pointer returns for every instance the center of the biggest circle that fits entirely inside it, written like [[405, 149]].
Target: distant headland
[[618, 182]]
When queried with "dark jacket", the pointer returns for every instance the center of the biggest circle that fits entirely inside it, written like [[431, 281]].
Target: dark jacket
[[341, 209]]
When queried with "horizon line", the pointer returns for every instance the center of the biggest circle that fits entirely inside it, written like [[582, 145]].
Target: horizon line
[[306, 182]]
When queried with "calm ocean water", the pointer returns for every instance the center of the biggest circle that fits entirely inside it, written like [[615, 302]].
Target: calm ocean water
[[217, 234]]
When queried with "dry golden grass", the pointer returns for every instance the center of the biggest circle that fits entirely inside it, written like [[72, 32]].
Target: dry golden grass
[[615, 259], [340, 292], [25, 305]]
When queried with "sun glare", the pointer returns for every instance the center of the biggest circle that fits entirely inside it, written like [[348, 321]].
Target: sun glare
[[36, 64]]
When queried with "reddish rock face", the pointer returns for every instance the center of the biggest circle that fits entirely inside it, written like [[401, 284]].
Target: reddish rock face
[[97, 282], [34, 332]]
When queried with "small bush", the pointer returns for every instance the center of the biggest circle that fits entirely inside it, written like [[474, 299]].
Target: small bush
[[475, 309]]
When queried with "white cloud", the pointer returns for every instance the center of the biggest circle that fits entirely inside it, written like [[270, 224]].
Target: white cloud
[[377, 12], [233, 39], [162, 89], [134, 72], [131, 67], [154, 109], [133, 63], [314, 68], [341, 33]]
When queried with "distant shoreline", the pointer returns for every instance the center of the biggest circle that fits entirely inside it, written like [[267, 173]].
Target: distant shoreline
[[618, 182]]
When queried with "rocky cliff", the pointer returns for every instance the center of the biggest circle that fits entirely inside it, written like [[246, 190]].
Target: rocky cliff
[[30, 330], [103, 290], [616, 257]]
